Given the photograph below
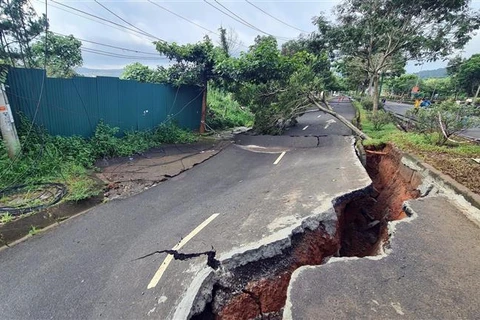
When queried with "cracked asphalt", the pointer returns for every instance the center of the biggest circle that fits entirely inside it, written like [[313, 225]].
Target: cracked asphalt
[[87, 267]]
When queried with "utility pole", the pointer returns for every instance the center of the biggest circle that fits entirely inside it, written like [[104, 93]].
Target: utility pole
[[9, 132]]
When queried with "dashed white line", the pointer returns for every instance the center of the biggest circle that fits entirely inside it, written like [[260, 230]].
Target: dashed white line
[[280, 157], [305, 128], [319, 116], [158, 275]]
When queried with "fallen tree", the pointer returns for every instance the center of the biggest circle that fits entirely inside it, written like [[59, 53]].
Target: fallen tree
[[328, 109]]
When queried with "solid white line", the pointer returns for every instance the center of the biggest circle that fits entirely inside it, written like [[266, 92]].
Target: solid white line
[[158, 275], [280, 157], [305, 128]]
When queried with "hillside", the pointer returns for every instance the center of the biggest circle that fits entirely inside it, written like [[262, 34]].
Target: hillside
[[436, 73], [87, 72]]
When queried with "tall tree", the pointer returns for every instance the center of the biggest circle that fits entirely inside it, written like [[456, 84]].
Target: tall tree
[[194, 65], [62, 54], [468, 75], [19, 26], [377, 32]]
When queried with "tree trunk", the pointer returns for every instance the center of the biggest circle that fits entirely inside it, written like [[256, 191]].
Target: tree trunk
[[476, 95], [330, 111], [204, 110], [370, 84], [375, 94]]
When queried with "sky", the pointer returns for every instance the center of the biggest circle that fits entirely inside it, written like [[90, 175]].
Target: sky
[[161, 24]]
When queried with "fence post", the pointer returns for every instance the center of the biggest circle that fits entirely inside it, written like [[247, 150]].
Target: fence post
[[7, 126]]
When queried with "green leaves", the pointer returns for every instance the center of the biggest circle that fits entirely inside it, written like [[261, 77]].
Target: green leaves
[[63, 54]]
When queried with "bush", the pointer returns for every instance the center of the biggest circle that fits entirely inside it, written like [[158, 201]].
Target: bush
[[444, 120], [68, 160], [224, 112], [379, 119], [367, 103]]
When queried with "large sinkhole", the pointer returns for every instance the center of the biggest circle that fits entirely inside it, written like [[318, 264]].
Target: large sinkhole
[[258, 290]]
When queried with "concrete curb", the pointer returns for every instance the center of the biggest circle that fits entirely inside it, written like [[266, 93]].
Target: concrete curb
[[448, 181]]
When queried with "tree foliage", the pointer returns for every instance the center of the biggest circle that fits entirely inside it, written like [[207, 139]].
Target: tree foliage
[[19, 26], [468, 75], [380, 32], [63, 54], [275, 86], [142, 73]]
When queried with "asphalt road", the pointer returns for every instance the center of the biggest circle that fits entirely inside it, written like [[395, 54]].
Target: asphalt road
[[252, 193], [401, 108]]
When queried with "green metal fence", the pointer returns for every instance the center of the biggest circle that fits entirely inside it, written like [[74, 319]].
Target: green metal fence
[[74, 106]]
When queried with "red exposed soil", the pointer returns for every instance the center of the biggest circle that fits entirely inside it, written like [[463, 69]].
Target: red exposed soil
[[361, 229], [269, 295]]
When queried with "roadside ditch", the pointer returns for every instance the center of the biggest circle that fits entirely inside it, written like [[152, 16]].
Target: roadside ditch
[[258, 290]]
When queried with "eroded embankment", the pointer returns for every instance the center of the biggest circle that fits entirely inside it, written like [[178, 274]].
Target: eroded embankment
[[258, 290]]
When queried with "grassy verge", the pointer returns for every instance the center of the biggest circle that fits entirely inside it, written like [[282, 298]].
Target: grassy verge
[[224, 112], [454, 159], [70, 160]]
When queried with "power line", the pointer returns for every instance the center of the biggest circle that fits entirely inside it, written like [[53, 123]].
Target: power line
[[190, 21], [186, 19], [239, 19], [100, 18], [118, 55], [109, 45], [116, 15], [281, 21], [87, 18]]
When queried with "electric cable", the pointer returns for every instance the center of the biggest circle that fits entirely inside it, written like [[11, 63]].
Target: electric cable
[[132, 25], [103, 19], [281, 21], [240, 20]]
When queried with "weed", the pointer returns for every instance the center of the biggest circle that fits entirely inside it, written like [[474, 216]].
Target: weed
[[70, 160], [225, 112], [6, 217], [33, 231]]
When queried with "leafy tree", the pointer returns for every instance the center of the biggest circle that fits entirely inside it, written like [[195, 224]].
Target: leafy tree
[[194, 65], [63, 54], [378, 32], [139, 72], [19, 26], [468, 75], [273, 85], [403, 84]]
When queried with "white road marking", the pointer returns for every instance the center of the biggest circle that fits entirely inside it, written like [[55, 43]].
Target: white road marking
[[319, 116], [329, 122], [158, 275], [280, 157], [305, 128]]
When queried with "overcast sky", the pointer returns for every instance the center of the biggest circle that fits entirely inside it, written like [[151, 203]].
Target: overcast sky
[[166, 26]]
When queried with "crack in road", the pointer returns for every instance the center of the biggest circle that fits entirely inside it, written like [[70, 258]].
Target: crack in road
[[211, 261]]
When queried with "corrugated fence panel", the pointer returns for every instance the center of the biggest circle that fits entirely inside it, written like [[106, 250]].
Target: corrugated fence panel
[[108, 100], [75, 106]]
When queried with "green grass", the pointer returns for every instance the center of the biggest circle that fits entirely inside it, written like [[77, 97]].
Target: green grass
[[70, 160], [411, 140], [224, 112]]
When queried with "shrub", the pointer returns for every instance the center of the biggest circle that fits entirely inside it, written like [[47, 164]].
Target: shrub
[[379, 119], [225, 112], [367, 103], [444, 120]]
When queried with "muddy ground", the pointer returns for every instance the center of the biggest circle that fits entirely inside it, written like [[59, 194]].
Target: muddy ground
[[127, 176]]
